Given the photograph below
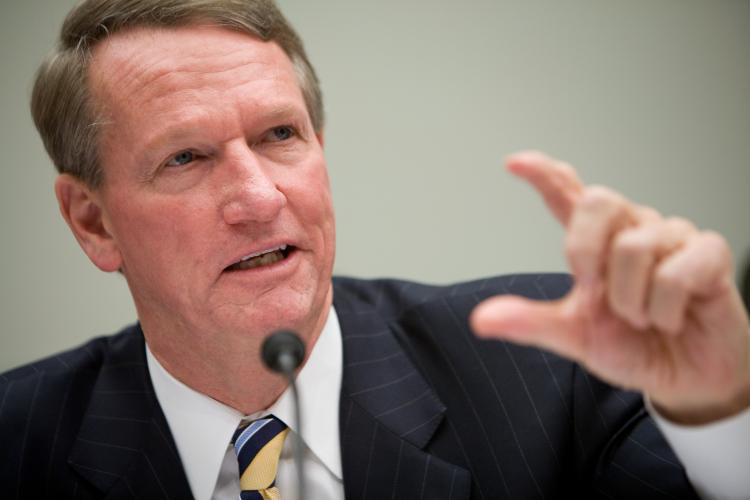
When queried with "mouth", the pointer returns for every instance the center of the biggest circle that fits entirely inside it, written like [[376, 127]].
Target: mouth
[[262, 258]]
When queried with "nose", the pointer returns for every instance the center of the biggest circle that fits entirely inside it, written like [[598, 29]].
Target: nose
[[252, 193]]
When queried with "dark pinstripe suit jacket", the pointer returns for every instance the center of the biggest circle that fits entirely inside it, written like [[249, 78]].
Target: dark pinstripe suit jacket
[[427, 411]]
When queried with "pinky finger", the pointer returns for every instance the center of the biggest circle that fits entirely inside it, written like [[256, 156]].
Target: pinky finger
[[695, 270]]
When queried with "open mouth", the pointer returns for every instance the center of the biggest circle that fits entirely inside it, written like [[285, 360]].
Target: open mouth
[[264, 258]]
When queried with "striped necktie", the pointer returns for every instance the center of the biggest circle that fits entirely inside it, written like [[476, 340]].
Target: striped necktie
[[258, 446]]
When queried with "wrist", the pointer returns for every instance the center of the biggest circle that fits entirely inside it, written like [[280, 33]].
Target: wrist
[[703, 412]]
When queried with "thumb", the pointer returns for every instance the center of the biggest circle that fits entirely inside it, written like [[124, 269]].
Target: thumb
[[544, 324]]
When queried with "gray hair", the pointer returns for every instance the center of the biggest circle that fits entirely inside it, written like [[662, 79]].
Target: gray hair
[[61, 104]]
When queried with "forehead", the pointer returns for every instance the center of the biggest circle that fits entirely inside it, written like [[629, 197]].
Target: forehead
[[155, 64]]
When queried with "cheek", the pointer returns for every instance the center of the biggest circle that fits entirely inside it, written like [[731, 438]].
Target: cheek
[[316, 209], [321, 217], [314, 193], [153, 235], [309, 197]]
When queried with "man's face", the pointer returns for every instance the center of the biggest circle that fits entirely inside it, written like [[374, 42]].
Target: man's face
[[215, 189]]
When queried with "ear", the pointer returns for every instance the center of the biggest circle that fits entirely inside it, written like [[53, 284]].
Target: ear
[[319, 136], [81, 208]]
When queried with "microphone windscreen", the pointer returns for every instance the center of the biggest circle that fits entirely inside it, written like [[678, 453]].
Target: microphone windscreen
[[283, 351]]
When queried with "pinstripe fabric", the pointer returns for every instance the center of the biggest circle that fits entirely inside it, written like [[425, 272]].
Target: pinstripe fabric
[[86, 424], [427, 411]]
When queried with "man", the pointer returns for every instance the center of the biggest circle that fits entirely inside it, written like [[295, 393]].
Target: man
[[189, 139]]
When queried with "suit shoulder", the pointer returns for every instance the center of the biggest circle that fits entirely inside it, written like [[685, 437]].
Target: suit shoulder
[[394, 296], [43, 403], [85, 357], [62, 380]]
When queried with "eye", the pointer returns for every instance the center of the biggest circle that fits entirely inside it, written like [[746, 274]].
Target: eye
[[180, 159], [283, 133]]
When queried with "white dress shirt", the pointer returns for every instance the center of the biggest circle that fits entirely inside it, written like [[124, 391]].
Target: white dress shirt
[[203, 427], [715, 456]]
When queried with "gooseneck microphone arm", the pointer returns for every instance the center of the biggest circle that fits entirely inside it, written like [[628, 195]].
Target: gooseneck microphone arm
[[283, 352]]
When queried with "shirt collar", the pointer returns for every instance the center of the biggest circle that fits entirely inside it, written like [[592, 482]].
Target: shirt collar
[[202, 427]]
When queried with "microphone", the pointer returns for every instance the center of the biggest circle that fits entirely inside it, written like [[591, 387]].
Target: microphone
[[283, 352]]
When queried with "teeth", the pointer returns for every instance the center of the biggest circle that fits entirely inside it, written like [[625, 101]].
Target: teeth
[[260, 260], [256, 254]]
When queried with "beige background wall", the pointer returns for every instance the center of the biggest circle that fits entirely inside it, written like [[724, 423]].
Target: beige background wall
[[424, 99]]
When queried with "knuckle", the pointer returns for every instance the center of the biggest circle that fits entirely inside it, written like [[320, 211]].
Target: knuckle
[[597, 194], [668, 279], [716, 242], [647, 214], [578, 248], [600, 198], [631, 243], [717, 251], [565, 169], [680, 224]]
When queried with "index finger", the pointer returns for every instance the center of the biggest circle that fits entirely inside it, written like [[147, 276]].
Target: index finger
[[556, 181]]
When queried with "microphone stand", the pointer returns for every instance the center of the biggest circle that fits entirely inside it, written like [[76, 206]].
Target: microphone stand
[[298, 459], [283, 352]]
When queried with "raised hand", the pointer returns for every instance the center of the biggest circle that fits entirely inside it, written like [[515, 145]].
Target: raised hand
[[654, 307]]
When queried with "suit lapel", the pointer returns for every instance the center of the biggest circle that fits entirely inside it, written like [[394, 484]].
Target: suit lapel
[[388, 415], [124, 447]]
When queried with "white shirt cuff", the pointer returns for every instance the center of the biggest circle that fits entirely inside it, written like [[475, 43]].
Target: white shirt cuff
[[716, 456]]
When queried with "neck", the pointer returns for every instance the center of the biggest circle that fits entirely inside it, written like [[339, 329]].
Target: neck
[[231, 374]]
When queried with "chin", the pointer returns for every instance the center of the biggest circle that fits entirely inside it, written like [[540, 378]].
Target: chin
[[300, 314]]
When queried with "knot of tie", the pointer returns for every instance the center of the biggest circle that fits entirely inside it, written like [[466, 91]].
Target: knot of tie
[[258, 447]]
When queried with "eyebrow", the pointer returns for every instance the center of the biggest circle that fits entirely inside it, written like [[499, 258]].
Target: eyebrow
[[193, 125]]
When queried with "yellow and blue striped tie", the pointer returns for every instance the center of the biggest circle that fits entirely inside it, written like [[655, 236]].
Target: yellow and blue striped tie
[[258, 447]]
